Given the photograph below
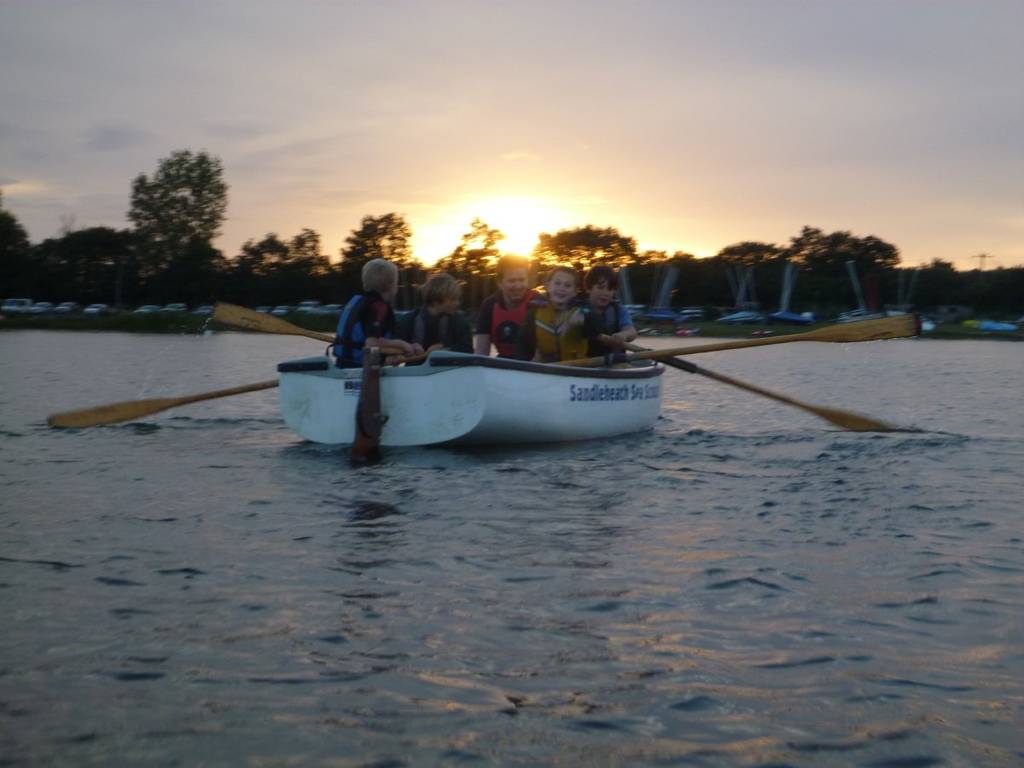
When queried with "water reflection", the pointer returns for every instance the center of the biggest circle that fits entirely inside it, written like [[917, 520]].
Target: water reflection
[[740, 587]]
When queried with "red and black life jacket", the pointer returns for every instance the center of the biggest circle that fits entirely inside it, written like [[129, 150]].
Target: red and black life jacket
[[507, 323]]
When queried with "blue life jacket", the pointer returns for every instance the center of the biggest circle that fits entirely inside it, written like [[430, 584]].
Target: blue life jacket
[[350, 337]]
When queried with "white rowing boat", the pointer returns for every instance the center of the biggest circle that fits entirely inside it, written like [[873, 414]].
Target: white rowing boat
[[458, 398]]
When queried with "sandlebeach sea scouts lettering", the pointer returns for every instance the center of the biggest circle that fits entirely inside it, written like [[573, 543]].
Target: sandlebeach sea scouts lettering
[[606, 392]]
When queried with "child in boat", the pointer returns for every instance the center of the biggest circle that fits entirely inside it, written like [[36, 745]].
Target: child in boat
[[438, 324], [603, 315], [368, 319], [502, 315], [553, 329]]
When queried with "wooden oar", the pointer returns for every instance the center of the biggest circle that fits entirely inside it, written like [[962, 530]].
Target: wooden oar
[[369, 419], [897, 327], [135, 409], [251, 320], [847, 420]]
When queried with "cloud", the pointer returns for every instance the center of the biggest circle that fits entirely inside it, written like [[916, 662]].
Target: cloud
[[115, 138], [24, 188]]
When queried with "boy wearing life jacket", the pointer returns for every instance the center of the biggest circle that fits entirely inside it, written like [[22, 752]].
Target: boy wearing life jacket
[[553, 329], [503, 314], [368, 320], [438, 324], [603, 314]]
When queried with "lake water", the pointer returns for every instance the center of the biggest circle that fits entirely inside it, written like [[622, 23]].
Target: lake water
[[742, 586]]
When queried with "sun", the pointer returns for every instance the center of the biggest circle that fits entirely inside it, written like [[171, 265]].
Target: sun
[[521, 218]]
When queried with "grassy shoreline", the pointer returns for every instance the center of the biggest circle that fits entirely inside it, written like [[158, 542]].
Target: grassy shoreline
[[196, 324]]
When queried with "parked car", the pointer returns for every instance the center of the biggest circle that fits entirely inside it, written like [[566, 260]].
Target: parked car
[[41, 308], [331, 309], [147, 309], [67, 307], [281, 310], [96, 309], [690, 315], [16, 306], [264, 309], [174, 307], [308, 307], [205, 309]]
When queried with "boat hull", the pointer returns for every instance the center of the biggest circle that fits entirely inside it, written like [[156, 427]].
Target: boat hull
[[471, 399]]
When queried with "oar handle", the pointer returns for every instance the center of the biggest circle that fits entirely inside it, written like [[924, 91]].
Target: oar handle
[[227, 392], [672, 360]]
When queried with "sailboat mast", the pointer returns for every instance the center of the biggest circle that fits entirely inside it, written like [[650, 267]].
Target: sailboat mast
[[851, 268]]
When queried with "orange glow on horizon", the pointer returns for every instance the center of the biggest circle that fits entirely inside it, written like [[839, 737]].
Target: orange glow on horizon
[[521, 218], [438, 227]]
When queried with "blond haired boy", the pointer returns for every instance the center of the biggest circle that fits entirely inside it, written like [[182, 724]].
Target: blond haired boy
[[368, 319]]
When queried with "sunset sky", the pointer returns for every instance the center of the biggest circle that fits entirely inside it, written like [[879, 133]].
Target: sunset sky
[[688, 125]]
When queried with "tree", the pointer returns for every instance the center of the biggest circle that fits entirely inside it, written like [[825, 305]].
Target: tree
[[193, 277], [702, 281], [651, 256], [939, 283], [477, 252], [750, 253], [757, 266], [259, 258], [304, 251], [302, 270], [88, 265], [179, 210], [828, 254], [251, 272], [822, 259], [584, 247], [15, 260], [378, 237]]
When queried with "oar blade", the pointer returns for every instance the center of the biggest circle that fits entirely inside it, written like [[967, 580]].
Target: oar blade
[[112, 413], [136, 409], [852, 422], [847, 420], [251, 320], [896, 327], [248, 319]]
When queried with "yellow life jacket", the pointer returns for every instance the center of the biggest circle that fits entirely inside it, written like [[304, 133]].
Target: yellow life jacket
[[559, 334]]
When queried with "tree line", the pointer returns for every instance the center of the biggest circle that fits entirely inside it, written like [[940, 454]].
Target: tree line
[[176, 214]]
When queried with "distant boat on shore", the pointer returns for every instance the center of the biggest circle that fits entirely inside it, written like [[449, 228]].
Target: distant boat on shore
[[784, 315]]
